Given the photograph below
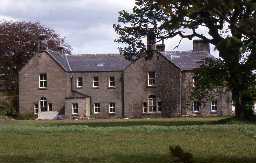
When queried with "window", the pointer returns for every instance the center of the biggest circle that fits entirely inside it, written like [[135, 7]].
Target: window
[[50, 107], [112, 108], [151, 104], [74, 108], [196, 106], [145, 107], [151, 78], [43, 104], [35, 109], [79, 82], [111, 82], [159, 106], [96, 108], [214, 106], [43, 81], [95, 82]]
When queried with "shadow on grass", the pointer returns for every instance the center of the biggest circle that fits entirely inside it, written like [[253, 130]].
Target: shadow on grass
[[119, 158], [188, 122]]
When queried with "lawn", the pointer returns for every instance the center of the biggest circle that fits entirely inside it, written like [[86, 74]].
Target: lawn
[[210, 140]]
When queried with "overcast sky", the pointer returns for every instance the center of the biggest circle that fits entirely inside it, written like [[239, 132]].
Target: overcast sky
[[86, 24]]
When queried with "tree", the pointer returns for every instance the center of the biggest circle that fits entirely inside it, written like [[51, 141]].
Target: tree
[[19, 41], [230, 26]]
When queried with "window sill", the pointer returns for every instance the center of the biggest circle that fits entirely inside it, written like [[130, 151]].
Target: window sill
[[111, 87], [111, 113], [42, 88], [196, 112], [153, 86]]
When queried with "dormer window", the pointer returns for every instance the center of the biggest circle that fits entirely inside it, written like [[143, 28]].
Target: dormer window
[[111, 82], [43, 80], [151, 79], [95, 83], [79, 82]]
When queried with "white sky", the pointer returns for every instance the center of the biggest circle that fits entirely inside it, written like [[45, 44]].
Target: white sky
[[85, 24]]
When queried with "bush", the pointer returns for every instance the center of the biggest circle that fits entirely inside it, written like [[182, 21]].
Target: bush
[[179, 156], [29, 116], [7, 108]]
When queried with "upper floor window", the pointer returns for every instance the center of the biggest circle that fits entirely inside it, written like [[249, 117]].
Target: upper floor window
[[111, 82], [74, 108], [79, 82], [112, 108], [214, 106], [95, 83], [43, 81], [96, 107], [151, 78], [196, 106]]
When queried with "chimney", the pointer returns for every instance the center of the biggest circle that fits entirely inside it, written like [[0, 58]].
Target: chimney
[[151, 41], [201, 45], [160, 47]]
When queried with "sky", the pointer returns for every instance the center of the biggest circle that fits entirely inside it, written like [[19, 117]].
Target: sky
[[87, 25]]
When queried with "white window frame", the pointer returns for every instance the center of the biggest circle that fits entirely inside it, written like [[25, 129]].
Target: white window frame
[[193, 107], [73, 108], [36, 109], [214, 105], [193, 83], [43, 80], [144, 107], [95, 81], [78, 82], [151, 80], [44, 102], [111, 83], [152, 104], [95, 107], [112, 108]]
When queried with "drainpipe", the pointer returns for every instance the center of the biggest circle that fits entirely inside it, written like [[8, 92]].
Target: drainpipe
[[122, 92], [180, 92]]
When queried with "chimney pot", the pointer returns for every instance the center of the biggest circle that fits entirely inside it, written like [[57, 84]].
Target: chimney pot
[[201, 45]]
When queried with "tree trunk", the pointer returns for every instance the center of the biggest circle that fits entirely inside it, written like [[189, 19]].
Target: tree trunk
[[239, 104]]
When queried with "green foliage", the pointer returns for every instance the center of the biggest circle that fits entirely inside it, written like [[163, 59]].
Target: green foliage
[[28, 116], [8, 107]]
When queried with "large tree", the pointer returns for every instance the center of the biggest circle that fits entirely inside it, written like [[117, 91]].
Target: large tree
[[230, 26], [19, 41]]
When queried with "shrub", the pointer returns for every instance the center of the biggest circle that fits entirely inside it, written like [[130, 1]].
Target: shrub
[[28, 116], [177, 155], [7, 108]]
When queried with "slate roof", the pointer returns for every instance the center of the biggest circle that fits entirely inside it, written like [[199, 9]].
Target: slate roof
[[90, 62], [187, 60]]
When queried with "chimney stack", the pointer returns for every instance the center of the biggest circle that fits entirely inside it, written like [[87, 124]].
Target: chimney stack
[[201, 46], [160, 47], [151, 41]]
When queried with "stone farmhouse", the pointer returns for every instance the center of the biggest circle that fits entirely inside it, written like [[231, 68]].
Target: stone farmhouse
[[109, 86]]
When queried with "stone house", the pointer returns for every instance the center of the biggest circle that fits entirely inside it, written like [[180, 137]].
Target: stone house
[[109, 86]]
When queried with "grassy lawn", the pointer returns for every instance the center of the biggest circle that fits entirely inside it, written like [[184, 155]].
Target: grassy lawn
[[210, 140]]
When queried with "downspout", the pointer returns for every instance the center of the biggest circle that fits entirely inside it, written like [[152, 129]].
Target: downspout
[[122, 93], [180, 93]]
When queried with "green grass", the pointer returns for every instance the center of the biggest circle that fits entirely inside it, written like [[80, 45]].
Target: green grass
[[210, 140]]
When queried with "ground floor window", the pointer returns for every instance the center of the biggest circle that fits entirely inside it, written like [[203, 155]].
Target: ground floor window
[[36, 109], [74, 108], [196, 106], [43, 104], [50, 107], [214, 106], [96, 107], [152, 105], [112, 108]]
